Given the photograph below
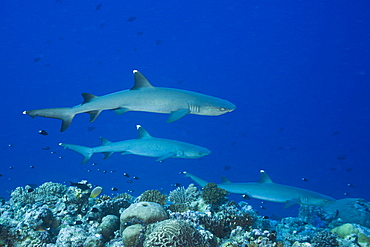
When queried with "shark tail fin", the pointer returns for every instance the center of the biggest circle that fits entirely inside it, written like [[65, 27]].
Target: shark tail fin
[[66, 114], [85, 151]]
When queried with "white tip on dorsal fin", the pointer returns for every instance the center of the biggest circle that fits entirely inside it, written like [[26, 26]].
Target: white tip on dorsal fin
[[264, 178], [140, 81], [225, 180], [141, 132]]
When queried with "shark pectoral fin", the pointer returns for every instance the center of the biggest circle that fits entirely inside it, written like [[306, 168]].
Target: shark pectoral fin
[[176, 115], [107, 154], [290, 203], [94, 114], [120, 111], [166, 156]]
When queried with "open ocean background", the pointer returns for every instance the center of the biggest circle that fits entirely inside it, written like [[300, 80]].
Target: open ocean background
[[298, 72]]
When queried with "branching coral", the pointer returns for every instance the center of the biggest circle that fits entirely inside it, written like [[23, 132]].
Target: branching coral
[[153, 196], [212, 194]]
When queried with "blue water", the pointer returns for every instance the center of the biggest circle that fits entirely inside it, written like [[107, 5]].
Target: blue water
[[298, 72]]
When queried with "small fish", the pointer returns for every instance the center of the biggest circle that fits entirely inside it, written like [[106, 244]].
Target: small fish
[[335, 133], [262, 207], [78, 222], [131, 18], [265, 217], [96, 192], [341, 157], [82, 186], [175, 185], [134, 177], [43, 132], [304, 179], [130, 191], [350, 185], [139, 33], [126, 175], [90, 129], [29, 190], [158, 42], [246, 197], [10, 167], [114, 189], [98, 7], [1, 175], [226, 168], [129, 181], [345, 193], [45, 148], [37, 59], [32, 167]]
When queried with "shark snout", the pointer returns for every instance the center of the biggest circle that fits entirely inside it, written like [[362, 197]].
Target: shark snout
[[204, 152]]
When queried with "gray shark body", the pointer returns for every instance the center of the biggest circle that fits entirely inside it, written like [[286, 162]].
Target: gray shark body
[[143, 145], [141, 97], [267, 190]]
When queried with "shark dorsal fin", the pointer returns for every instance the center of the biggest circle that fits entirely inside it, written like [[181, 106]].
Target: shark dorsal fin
[[88, 97], [104, 141], [264, 178], [140, 81], [142, 133], [225, 180]]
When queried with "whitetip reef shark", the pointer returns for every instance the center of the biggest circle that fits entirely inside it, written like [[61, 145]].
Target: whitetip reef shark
[[267, 190], [143, 96], [143, 145]]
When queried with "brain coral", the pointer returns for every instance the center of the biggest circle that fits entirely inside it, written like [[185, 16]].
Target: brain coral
[[175, 233]]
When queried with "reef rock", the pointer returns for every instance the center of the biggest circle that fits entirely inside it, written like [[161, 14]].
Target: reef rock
[[143, 213], [351, 210], [360, 233]]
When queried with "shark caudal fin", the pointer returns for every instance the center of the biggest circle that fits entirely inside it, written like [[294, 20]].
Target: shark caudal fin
[[197, 180], [65, 114], [85, 151]]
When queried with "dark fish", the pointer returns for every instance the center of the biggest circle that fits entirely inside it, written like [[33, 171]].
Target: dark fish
[[335, 133], [341, 157], [45, 148], [131, 18], [35, 60], [262, 207], [246, 197], [112, 171], [78, 222], [10, 167], [129, 181], [226, 168], [89, 170], [265, 217], [1, 175], [304, 179], [114, 189], [29, 190], [350, 185], [139, 33], [32, 167], [104, 171], [53, 152], [134, 177], [158, 42], [102, 25], [98, 7], [94, 164], [175, 185], [80, 185], [126, 175], [90, 129], [43, 132], [345, 193]]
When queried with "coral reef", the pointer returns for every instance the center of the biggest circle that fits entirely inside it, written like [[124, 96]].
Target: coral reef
[[153, 196], [55, 215], [176, 233], [212, 194]]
